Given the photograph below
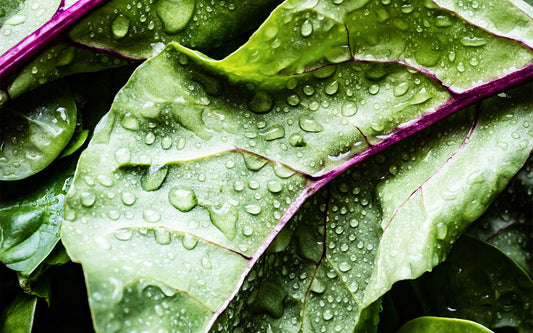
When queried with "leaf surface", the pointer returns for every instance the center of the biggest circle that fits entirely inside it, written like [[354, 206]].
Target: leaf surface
[[200, 162], [346, 246], [35, 130], [18, 316]]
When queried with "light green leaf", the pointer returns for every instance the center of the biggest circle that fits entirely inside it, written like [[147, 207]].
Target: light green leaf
[[34, 131], [438, 324], [349, 243], [29, 16], [201, 162]]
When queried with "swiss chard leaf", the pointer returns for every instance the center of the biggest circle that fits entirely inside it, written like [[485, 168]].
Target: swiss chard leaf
[[34, 131], [200, 162], [348, 243], [137, 28], [204, 223]]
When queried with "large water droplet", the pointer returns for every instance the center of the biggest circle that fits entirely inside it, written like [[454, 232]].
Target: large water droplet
[[189, 242], [297, 140], [154, 178], [123, 234], [307, 28], [349, 109], [88, 199], [308, 124], [225, 219], [175, 14], [128, 198], [274, 132], [253, 209], [162, 236], [253, 162], [120, 26], [473, 41], [183, 199], [262, 102], [274, 186], [151, 216], [318, 286]]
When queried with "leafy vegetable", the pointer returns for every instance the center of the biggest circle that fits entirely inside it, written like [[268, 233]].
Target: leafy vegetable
[[18, 318], [435, 324], [178, 206]]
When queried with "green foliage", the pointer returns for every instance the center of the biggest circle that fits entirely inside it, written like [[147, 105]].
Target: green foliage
[[263, 192]]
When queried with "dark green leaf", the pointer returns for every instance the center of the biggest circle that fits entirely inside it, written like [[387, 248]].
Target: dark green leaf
[[34, 131], [18, 316]]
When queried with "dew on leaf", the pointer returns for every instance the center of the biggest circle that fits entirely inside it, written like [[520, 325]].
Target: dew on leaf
[[183, 199], [162, 236], [349, 109], [120, 26], [151, 216], [274, 132], [262, 102], [175, 14], [307, 28], [154, 177], [189, 242], [123, 234], [308, 124], [225, 219]]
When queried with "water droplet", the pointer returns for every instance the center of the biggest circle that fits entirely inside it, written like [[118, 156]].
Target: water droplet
[[332, 88], [253, 162], [353, 287], [16, 19], [274, 132], [162, 236], [88, 199], [307, 28], [262, 102], [154, 177], [151, 216], [120, 26], [308, 124], [238, 186], [182, 198], [473, 41], [327, 315], [189, 242], [317, 286], [297, 140], [225, 219], [345, 266], [105, 180], [274, 186], [123, 234], [128, 198], [149, 138], [349, 109], [253, 209], [122, 156], [293, 100], [308, 90], [374, 89], [400, 89], [175, 14], [166, 143], [442, 21], [282, 172], [130, 122]]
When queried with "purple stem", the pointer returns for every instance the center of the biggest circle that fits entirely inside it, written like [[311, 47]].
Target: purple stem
[[36, 41]]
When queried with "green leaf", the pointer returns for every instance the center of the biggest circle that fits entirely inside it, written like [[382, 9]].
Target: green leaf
[[507, 223], [478, 282], [349, 243], [138, 29], [200, 162], [28, 16], [18, 316], [30, 216], [436, 324], [59, 61], [34, 131]]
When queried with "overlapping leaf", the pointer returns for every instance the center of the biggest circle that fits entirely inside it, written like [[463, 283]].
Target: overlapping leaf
[[348, 244], [130, 29], [200, 163]]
